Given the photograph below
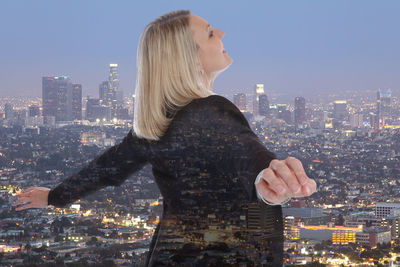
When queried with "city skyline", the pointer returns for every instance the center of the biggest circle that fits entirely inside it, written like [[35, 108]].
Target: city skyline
[[299, 47]]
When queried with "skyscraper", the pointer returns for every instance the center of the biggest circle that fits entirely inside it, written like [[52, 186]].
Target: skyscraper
[[263, 105], [59, 98], [9, 111], [240, 101], [340, 109], [113, 83], [258, 90], [76, 102], [299, 110], [383, 106], [104, 92]]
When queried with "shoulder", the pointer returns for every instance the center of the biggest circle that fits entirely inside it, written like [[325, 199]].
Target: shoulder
[[212, 99], [216, 109], [214, 103]]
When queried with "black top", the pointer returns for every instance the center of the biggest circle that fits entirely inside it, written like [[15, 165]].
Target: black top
[[205, 166]]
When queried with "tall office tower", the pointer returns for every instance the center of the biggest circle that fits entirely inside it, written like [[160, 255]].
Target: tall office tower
[[260, 217], [90, 106], [299, 110], [58, 97], [356, 120], [76, 102], [373, 121], [340, 109], [383, 106], [49, 96], [104, 92], [240, 101], [263, 105], [34, 111], [113, 82], [258, 90], [9, 111]]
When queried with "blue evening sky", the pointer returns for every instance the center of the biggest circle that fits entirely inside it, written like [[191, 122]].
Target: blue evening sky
[[294, 47]]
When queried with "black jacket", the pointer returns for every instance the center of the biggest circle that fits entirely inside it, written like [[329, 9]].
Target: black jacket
[[205, 166]]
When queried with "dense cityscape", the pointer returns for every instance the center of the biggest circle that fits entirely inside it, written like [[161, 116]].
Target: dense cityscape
[[348, 144]]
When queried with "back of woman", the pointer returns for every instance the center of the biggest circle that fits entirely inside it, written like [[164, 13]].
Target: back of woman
[[205, 169]]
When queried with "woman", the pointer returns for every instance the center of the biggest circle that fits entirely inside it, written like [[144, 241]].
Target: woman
[[204, 155]]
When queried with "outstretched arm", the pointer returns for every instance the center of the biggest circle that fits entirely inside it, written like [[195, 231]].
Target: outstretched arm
[[111, 168]]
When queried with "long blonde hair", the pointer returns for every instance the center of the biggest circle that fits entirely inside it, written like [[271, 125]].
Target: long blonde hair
[[168, 76]]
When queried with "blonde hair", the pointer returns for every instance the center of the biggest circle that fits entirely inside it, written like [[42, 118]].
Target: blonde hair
[[168, 76]]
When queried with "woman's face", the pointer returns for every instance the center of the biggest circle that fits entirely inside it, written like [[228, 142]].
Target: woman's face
[[213, 57]]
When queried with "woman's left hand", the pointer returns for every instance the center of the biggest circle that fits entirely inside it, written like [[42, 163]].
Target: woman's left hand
[[284, 179]]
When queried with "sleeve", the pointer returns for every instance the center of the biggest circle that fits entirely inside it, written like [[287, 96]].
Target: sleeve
[[260, 197], [238, 149], [111, 168]]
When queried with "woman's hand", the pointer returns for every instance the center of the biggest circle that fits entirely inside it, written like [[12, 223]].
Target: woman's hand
[[36, 196], [284, 179]]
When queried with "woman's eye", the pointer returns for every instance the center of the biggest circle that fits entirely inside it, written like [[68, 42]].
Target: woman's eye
[[211, 33]]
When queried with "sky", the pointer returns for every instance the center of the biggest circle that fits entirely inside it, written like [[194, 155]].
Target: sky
[[293, 47]]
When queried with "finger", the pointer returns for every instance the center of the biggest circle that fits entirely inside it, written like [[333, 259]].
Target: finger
[[297, 167], [283, 171], [268, 194], [24, 197], [26, 191], [25, 194], [275, 183], [310, 187], [26, 206], [19, 202]]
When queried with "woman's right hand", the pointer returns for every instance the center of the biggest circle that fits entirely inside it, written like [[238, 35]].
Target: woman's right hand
[[284, 179], [36, 196]]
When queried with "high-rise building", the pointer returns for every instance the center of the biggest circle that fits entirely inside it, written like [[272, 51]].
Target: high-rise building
[[77, 102], [258, 90], [263, 105], [113, 81], [373, 121], [340, 109], [260, 217], [383, 106], [299, 110], [356, 120], [240, 101], [58, 97], [90, 106], [104, 92], [9, 111]]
